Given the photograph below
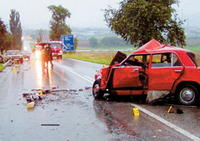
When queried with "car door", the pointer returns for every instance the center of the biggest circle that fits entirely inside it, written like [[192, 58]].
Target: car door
[[164, 70], [127, 75]]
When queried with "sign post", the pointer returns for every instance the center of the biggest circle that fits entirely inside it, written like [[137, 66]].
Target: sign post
[[68, 42]]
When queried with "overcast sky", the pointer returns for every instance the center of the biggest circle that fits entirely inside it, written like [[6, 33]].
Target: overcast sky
[[85, 13]]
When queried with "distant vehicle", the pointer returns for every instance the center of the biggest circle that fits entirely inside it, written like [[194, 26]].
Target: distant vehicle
[[56, 47], [152, 70], [15, 56], [26, 55]]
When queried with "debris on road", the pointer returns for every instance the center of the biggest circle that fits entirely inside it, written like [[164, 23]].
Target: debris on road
[[37, 95], [87, 88], [50, 124], [179, 111], [31, 105], [171, 109], [154, 96]]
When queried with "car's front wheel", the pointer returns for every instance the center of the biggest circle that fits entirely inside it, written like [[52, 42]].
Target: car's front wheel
[[188, 94], [96, 91]]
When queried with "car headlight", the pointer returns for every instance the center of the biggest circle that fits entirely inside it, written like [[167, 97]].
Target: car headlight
[[37, 54]]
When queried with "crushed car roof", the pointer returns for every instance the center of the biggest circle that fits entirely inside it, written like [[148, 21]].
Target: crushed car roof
[[154, 46]]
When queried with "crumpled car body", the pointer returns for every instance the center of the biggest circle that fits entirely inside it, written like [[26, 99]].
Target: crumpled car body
[[155, 70]]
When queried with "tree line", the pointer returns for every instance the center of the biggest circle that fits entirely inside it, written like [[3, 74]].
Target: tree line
[[108, 41], [11, 38]]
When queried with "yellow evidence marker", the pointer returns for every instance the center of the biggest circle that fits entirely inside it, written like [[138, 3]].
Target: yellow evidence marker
[[30, 105], [40, 93], [171, 109], [14, 70], [136, 112]]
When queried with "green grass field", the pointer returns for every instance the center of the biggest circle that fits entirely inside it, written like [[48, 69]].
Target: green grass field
[[194, 48], [95, 57]]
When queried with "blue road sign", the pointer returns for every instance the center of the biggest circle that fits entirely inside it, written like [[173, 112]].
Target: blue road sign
[[68, 41]]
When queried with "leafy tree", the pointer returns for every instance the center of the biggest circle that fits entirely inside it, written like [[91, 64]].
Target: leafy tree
[[16, 30], [4, 37], [138, 21], [75, 43], [93, 41], [8, 41], [40, 35], [58, 25], [113, 41]]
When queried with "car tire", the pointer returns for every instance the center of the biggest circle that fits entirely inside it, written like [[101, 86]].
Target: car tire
[[188, 95], [96, 91]]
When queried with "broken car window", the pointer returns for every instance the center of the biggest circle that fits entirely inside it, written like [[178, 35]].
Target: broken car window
[[195, 58], [137, 60]]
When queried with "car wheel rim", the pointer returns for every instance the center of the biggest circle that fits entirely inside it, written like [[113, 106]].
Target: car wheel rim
[[96, 89], [187, 95]]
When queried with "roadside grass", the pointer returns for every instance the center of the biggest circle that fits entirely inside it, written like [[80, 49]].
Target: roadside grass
[[95, 57], [102, 57], [195, 48], [110, 48]]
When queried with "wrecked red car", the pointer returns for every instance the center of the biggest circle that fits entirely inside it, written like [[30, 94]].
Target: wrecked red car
[[154, 70]]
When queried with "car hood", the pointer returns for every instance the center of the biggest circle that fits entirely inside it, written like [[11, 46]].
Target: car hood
[[118, 58]]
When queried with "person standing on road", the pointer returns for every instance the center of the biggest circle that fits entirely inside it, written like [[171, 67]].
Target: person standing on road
[[43, 57], [49, 55]]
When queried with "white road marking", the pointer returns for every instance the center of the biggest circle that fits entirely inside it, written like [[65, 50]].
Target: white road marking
[[90, 81], [167, 123], [71, 71], [90, 78]]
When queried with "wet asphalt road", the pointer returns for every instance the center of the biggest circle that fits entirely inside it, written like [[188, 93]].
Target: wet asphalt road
[[78, 115]]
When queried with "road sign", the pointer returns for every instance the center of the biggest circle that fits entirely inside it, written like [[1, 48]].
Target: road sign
[[68, 41]]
